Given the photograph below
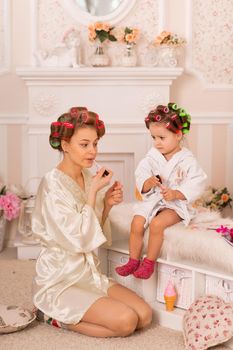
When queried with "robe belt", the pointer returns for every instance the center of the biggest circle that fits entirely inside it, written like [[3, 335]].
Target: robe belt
[[94, 270]]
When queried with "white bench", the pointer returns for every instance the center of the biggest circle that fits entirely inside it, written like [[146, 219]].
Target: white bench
[[199, 261]]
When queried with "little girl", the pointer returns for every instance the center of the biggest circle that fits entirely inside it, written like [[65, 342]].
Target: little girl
[[168, 179]]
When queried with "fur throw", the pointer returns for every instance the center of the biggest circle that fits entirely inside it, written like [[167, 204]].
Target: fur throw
[[195, 243]]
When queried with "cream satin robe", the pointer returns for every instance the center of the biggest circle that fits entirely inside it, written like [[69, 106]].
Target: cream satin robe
[[181, 172], [68, 280]]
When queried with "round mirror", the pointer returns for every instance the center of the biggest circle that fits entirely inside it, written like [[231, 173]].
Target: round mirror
[[98, 7], [87, 11]]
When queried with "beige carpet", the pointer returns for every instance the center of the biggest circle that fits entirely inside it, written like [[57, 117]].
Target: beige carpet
[[15, 288]]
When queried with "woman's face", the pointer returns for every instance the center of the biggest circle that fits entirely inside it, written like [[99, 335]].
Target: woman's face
[[81, 150], [165, 141]]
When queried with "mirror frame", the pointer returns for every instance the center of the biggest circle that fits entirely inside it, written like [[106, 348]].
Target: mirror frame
[[86, 18]]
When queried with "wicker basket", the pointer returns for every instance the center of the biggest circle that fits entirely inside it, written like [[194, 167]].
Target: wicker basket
[[220, 287], [182, 280]]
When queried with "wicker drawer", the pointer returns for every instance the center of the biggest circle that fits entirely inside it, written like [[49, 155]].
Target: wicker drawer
[[145, 288], [182, 280], [221, 287]]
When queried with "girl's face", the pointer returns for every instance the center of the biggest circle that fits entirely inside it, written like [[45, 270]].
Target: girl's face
[[165, 141], [81, 149]]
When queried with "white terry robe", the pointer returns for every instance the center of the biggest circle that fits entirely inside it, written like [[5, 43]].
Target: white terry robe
[[68, 280], [181, 172]]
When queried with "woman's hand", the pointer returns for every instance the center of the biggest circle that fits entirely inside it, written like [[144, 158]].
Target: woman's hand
[[98, 182], [114, 195]]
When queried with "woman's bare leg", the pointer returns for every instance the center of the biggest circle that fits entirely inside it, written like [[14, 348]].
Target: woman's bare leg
[[159, 223], [136, 236], [131, 299], [107, 317]]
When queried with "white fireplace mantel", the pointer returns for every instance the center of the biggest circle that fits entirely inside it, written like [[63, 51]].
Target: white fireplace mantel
[[116, 93], [106, 75], [121, 96]]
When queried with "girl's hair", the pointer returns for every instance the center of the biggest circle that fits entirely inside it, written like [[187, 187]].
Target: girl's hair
[[174, 118], [68, 123]]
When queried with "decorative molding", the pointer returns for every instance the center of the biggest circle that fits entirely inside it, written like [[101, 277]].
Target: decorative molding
[[116, 126], [12, 119], [150, 101], [189, 53], [4, 155], [34, 29], [5, 36], [86, 18], [46, 103]]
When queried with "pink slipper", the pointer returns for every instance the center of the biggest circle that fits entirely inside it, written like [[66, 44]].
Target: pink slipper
[[145, 270], [128, 268]]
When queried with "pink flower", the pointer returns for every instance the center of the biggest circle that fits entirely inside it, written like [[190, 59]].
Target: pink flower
[[222, 229], [10, 204]]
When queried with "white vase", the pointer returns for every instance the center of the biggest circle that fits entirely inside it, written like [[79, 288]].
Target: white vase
[[129, 58], [99, 58], [2, 232]]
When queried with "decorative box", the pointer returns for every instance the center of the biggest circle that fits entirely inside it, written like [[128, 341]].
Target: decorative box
[[220, 287], [144, 288], [182, 280]]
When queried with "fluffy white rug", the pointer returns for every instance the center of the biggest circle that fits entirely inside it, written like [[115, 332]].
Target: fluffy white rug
[[195, 243]]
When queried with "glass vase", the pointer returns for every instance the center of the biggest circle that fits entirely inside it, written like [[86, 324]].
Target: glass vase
[[2, 230], [129, 58], [168, 55], [99, 58]]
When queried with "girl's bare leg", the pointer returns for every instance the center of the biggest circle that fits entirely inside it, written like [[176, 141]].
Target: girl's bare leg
[[131, 299], [159, 223], [135, 247], [107, 317], [136, 237]]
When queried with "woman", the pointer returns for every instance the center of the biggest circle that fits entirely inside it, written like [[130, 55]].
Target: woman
[[70, 217]]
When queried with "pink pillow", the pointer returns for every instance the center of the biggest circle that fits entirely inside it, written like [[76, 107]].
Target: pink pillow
[[208, 322]]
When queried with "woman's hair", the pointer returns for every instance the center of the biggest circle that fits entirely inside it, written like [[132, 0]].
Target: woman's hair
[[174, 118], [68, 123]]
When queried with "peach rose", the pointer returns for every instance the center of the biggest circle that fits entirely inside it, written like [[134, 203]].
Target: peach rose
[[129, 38], [224, 197], [106, 27], [136, 33], [99, 26]]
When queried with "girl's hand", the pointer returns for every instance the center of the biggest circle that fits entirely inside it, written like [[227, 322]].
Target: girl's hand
[[168, 194], [171, 195], [114, 195], [153, 181], [99, 181]]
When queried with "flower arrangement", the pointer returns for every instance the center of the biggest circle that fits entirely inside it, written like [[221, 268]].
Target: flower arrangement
[[127, 35], [100, 31], [168, 38], [215, 199], [9, 204], [226, 232]]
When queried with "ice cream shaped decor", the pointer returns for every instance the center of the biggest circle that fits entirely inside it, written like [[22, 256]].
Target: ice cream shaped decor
[[170, 296]]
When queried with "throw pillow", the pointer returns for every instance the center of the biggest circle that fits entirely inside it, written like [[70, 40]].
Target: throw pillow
[[208, 322], [14, 318]]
